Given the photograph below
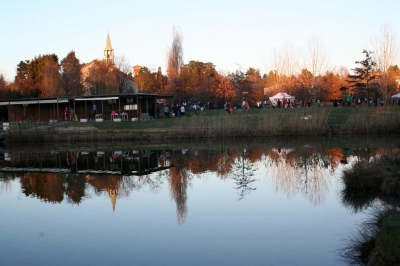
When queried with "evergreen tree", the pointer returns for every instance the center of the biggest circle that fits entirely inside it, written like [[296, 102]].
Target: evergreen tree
[[363, 75], [71, 74], [30, 74]]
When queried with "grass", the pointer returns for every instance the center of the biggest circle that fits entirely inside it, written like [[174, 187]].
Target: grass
[[251, 123], [387, 245], [382, 174], [376, 241], [335, 117]]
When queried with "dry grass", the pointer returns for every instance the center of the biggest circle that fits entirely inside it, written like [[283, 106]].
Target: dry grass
[[217, 124], [372, 120], [382, 174], [246, 124], [376, 241]]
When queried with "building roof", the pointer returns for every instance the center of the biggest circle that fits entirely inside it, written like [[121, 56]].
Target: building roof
[[108, 43], [64, 99]]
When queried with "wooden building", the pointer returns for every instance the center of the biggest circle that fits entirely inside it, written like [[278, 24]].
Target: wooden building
[[123, 106]]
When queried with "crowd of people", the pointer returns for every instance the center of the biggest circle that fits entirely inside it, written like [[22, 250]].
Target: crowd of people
[[179, 110], [171, 111], [69, 114]]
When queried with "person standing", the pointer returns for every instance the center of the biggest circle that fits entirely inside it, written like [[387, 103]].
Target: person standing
[[230, 108], [182, 110], [71, 114], [166, 111], [66, 113], [94, 111], [195, 109]]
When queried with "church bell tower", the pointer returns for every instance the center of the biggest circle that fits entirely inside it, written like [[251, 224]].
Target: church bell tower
[[108, 51]]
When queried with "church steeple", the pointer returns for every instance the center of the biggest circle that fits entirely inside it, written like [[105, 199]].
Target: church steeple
[[108, 51]]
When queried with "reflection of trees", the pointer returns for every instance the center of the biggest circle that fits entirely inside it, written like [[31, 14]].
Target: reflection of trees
[[224, 163], [75, 188], [368, 180], [130, 183], [5, 181], [243, 172], [178, 185], [47, 187], [304, 170], [357, 200]]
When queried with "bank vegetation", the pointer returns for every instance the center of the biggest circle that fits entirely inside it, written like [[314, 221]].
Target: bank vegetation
[[219, 124]]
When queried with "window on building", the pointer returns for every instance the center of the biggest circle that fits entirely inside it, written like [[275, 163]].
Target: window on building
[[130, 107]]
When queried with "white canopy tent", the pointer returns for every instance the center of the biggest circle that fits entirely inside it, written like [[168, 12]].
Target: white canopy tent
[[281, 96], [396, 95]]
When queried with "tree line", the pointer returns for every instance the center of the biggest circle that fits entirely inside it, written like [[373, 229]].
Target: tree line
[[375, 76]]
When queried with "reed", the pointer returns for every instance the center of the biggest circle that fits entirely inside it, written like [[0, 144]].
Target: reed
[[245, 124], [376, 240], [218, 124], [381, 120], [382, 175]]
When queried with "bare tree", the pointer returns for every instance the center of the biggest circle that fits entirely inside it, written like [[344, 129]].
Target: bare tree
[[385, 55], [123, 71], [175, 53], [51, 81], [122, 64], [175, 61], [285, 63], [315, 60]]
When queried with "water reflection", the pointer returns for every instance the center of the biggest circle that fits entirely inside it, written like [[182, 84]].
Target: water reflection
[[243, 173], [295, 167], [304, 170]]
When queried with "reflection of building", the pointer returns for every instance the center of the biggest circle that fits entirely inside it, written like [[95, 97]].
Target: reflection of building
[[113, 194], [109, 183], [47, 174], [132, 162]]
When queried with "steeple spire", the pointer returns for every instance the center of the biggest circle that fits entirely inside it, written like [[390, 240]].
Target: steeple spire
[[108, 51]]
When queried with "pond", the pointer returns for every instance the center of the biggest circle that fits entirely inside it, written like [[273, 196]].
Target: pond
[[250, 202]]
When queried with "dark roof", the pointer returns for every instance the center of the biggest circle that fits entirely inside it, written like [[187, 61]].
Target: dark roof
[[88, 97]]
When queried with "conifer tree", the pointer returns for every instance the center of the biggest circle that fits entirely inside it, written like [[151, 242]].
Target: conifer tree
[[363, 75]]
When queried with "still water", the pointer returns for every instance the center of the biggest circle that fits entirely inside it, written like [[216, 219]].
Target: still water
[[259, 202]]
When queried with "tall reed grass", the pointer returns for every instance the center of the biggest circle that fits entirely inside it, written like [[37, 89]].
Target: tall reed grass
[[299, 121], [253, 123], [370, 120], [376, 240], [382, 174]]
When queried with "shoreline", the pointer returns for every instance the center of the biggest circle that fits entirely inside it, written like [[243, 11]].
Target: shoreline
[[216, 124]]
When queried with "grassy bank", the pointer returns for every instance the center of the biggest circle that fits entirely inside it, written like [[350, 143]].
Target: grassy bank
[[382, 175], [216, 123], [376, 241]]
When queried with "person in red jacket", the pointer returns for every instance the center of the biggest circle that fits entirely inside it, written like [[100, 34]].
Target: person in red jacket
[[66, 113]]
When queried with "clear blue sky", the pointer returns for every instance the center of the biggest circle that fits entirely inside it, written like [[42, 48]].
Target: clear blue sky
[[230, 34]]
